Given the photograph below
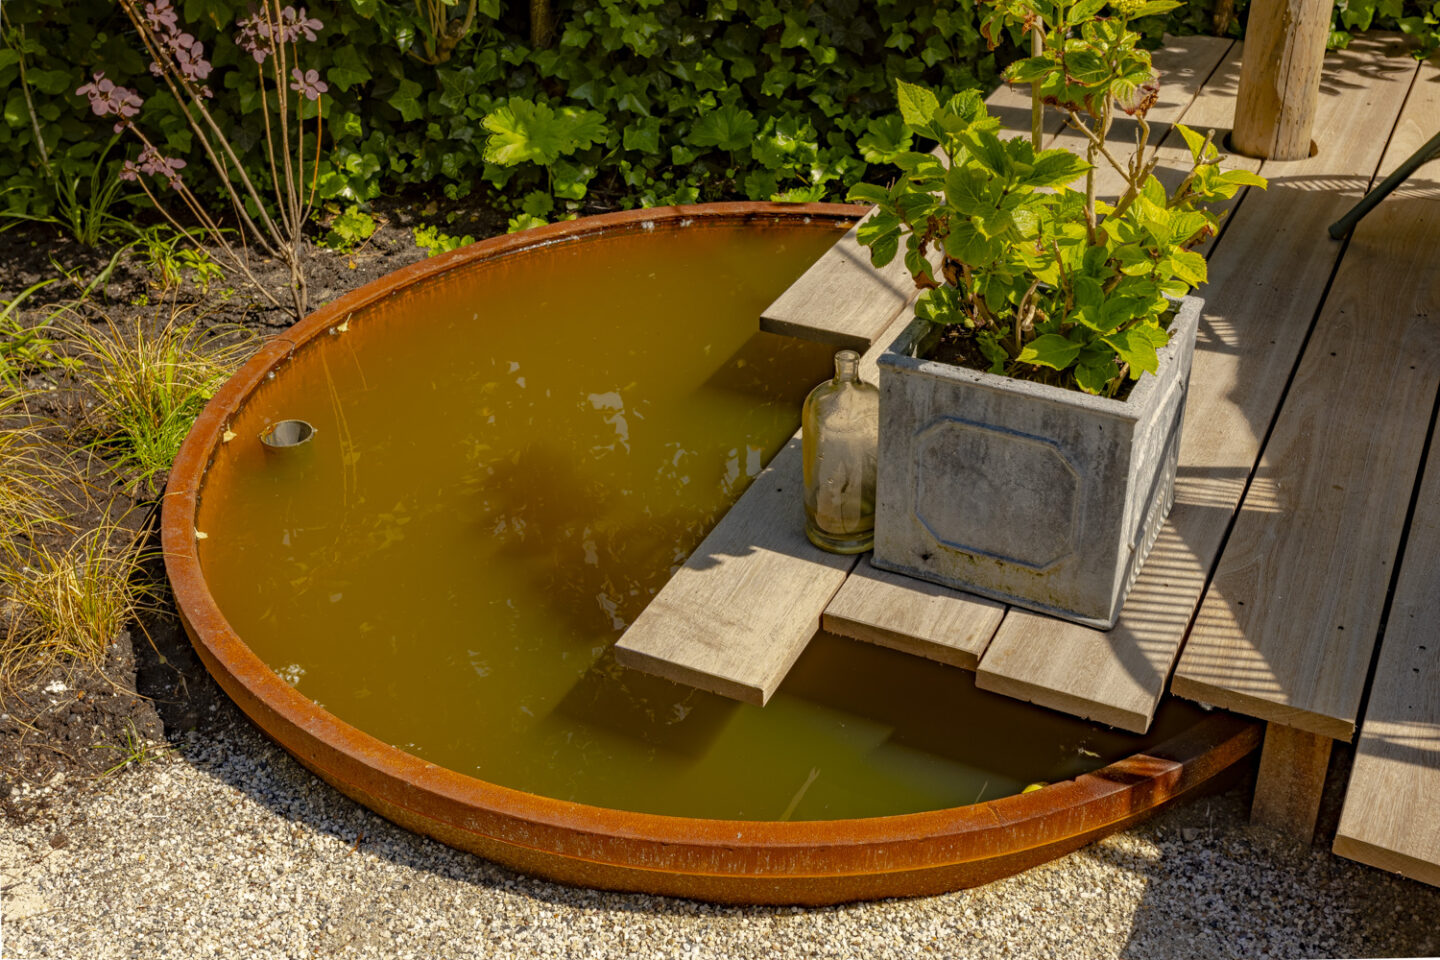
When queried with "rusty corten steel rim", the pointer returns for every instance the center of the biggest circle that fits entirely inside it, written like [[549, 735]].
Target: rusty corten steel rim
[[807, 862]]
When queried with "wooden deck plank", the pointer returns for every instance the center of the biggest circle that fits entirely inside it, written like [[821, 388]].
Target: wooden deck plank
[[844, 301], [1266, 280], [1288, 626], [1389, 819], [736, 615], [912, 616]]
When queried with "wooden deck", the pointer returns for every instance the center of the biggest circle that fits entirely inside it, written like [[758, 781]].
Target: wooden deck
[[1297, 578]]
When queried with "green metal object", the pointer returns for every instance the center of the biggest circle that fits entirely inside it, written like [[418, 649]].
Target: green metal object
[[1430, 151]]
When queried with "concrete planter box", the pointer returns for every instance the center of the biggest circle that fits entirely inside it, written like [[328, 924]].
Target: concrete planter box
[[1046, 498]]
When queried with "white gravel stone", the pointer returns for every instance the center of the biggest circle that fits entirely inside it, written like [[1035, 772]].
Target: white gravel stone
[[227, 848]]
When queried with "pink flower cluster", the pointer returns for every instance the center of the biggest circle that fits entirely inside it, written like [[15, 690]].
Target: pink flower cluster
[[255, 36], [109, 99], [188, 53], [153, 164]]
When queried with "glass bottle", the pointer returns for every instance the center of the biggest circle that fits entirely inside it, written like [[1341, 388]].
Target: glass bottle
[[840, 427]]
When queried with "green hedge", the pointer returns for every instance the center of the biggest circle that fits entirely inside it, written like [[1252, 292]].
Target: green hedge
[[694, 101]]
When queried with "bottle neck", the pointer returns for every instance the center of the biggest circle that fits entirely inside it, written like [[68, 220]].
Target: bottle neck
[[847, 366]]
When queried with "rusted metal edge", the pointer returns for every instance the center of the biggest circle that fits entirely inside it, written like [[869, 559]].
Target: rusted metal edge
[[806, 862]]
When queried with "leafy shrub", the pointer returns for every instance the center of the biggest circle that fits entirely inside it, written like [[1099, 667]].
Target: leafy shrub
[[695, 101]]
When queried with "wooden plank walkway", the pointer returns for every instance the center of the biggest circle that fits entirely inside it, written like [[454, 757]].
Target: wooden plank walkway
[[1311, 405], [1291, 641], [1390, 819]]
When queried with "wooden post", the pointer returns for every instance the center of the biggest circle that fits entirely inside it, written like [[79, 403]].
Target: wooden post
[[1280, 77], [1291, 781]]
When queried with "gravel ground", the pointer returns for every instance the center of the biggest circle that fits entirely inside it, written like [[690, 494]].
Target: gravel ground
[[228, 848]]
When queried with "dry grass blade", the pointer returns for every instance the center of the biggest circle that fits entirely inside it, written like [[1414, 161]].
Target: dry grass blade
[[27, 479], [151, 381], [71, 603]]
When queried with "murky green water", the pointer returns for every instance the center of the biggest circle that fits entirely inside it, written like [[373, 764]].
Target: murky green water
[[509, 463]]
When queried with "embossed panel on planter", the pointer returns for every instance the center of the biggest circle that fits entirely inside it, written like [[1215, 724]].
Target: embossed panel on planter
[[966, 504]]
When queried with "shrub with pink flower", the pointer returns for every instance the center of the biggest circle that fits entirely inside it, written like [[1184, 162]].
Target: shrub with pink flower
[[272, 221]]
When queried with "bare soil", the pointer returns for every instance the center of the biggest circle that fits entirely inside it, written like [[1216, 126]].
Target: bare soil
[[64, 726]]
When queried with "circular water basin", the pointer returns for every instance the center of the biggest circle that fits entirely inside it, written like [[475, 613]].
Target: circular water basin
[[506, 451]]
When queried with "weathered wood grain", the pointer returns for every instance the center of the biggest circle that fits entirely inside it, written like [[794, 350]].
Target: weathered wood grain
[[1390, 816], [1287, 628], [842, 299], [912, 616], [1291, 781], [1267, 276], [1280, 85], [736, 615]]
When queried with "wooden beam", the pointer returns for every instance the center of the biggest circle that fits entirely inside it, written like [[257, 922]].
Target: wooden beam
[[1291, 781], [912, 616], [1280, 82], [1288, 625], [1266, 280]]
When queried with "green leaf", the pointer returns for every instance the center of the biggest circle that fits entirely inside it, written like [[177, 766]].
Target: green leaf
[[406, 100], [524, 130], [1050, 350], [347, 68], [868, 193], [1244, 178], [1094, 377], [729, 128], [1196, 143], [1082, 11], [988, 151], [1188, 266], [1120, 310], [940, 305], [1153, 7], [1136, 349], [1030, 69], [884, 139], [918, 105], [643, 135], [51, 81], [881, 233], [1055, 167], [994, 353]]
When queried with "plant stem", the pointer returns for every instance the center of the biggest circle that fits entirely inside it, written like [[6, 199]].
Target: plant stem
[[1037, 107]]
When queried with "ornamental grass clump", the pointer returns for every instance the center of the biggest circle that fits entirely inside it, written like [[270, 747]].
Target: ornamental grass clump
[[272, 214], [151, 380], [1023, 272]]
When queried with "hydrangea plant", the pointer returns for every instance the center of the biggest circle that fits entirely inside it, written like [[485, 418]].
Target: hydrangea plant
[[1037, 277]]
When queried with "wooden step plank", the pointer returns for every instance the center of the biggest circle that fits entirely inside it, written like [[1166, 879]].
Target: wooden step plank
[[912, 616], [1266, 279], [1390, 816], [734, 618], [842, 299], [1288, 626]]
